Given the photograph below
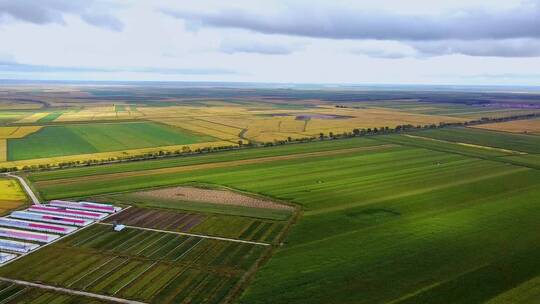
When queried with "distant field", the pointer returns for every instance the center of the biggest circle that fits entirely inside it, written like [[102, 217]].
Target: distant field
[[517, 142], [529, 126], [410, 224], [52, 141], [50, 117], [149, 266]]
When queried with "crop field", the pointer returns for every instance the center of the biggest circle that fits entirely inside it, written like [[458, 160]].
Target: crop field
[[143, 265], [440, 223], [529, 126], [94, 138], [516, 142], [431, 215], [243, 228], [11, 195], [14, 293]]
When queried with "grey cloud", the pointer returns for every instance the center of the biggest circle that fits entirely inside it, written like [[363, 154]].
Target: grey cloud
[[345, 23], [53, 11], [258, 47], [485, 48]]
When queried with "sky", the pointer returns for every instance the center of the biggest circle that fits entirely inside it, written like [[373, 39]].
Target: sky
[[476, 42]]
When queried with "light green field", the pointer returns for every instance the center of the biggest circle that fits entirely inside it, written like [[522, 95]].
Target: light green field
[[401, 224], [75, 139]]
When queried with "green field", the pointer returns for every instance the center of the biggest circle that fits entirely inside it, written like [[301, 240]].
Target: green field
[[401, 224], [149, 266], [74, 139], [516, 142], [50, 117], [14, 293]]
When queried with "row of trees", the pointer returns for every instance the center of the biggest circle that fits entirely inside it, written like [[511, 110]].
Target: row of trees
[[185, 151]]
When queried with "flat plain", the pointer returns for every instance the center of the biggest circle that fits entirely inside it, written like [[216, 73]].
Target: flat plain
[[404, 223], [435, 214]]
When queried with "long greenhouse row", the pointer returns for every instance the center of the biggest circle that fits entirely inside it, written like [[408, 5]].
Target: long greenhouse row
[[24, 231]]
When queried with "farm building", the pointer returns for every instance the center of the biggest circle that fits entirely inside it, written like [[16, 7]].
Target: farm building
[[27, 235], [68, 212], [85, 206], [15, 246], [49, 218], [45, 227], [4, 257]]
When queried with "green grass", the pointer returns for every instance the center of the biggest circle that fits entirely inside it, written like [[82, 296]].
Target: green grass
[[406, 224], [204, 159], [50, 117], [517, 142], [63, 140]]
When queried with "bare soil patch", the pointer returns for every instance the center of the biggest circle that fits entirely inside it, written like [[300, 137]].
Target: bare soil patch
[[215, 196]]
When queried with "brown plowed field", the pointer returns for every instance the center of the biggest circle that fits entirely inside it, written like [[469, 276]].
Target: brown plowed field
[[158, 219], [223, 197]]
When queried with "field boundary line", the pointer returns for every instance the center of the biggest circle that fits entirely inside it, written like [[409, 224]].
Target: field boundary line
[[195, 235], [71, 291], [188, 251], [8, 299], [135, 278]]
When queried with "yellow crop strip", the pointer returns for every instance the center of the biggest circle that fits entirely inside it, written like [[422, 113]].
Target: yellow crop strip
[[3, 150], [108, 155], [33, 118]]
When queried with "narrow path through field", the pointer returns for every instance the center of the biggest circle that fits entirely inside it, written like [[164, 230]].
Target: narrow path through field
[[195, 235], [27, 188], [71, 291]]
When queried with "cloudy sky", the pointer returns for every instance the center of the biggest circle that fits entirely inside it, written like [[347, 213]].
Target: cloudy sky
[[311, 41]]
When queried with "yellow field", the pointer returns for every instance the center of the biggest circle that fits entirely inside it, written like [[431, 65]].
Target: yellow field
[[33, 118], [17, 132], [11, 195], [3, 150], [107, 155], [229, 123], [530, 126]]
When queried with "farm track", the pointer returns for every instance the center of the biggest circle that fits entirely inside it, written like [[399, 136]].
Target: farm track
[[71, 291], [202, 236], [226, 164]]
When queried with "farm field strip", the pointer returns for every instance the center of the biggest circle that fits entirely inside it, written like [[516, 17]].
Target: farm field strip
[[65, 140], [507, 151], [217, 165], [212, 225], [70, 291], [196, 235], [204, 159]]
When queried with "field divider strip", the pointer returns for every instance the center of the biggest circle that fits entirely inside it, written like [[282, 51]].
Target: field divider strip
[[188, 251], [135, 278], [71, 291], [8, 299], [91, 271], [196, 235]]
